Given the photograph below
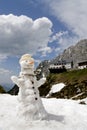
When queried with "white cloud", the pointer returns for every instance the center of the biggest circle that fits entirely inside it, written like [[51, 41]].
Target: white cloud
[[4, 71], [45, 50], [73, 13], [58, 35], [20, 34], [63, 40], [3, 57], [5, 76]]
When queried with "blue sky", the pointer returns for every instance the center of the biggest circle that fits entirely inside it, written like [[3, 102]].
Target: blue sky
[[43, 28]]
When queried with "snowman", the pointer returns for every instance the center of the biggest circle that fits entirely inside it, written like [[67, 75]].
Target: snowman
[[30, 105]]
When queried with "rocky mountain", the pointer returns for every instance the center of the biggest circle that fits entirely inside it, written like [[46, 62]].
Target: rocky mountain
[[43, 68], [76, 54]]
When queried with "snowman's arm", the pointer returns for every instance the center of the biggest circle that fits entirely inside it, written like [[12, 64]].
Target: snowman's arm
[[41, 81], [19, 81], [15, 80]]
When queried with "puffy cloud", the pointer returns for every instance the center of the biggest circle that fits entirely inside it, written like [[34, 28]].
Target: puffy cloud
[[73, 13], [20, 34], [45, 50]]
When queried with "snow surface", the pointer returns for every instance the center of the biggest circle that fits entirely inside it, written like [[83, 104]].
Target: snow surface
[[85, 100], [57, 87], [63, 115]]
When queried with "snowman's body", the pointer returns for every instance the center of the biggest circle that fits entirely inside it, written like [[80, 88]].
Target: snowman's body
[[30, 104]]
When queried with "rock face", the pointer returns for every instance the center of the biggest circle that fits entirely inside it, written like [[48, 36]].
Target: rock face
[[43, 68], [76, 53]]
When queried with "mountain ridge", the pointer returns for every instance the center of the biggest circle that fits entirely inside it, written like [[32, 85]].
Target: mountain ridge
[[76, 53]]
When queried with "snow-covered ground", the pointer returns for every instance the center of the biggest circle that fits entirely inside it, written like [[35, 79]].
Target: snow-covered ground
[[63, 115]]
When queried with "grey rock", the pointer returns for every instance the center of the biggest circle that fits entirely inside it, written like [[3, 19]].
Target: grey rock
[[76, 53]]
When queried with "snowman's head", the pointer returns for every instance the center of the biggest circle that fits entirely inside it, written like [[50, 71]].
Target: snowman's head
[[26, 62]]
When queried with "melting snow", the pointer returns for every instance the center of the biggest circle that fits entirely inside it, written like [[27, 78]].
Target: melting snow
[[63, 115], [57, 87]]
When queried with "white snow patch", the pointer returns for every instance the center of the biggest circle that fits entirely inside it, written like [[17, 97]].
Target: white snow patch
[[63, 115], [57, 87]]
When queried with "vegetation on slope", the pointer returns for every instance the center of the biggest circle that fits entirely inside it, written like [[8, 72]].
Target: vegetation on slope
[[2, 89], [75, 81]]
